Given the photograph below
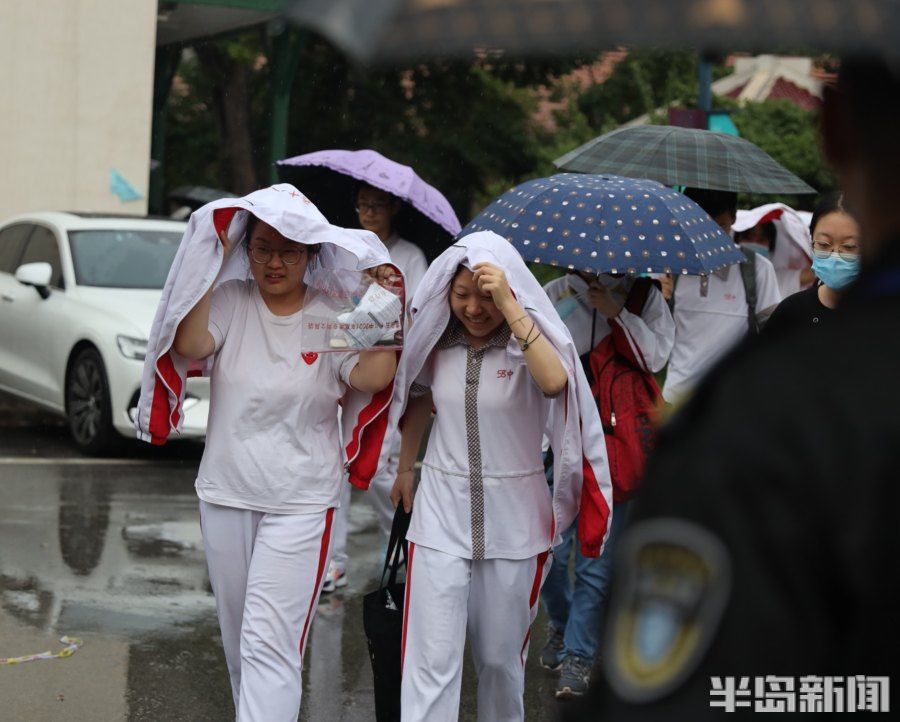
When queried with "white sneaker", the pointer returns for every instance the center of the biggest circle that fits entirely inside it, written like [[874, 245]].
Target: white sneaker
[[334, 579]]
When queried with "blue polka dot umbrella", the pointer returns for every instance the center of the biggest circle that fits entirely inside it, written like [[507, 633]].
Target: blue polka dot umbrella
[[608, 224]]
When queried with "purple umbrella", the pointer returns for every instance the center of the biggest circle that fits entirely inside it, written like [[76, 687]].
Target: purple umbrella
[[312, 173]]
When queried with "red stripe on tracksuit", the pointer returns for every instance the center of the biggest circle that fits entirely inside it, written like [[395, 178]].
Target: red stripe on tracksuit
[[222, 218], [412, 549], [533, 598], [368, 437], [162, 416], [593, 514], [773, 215], [320, 572]]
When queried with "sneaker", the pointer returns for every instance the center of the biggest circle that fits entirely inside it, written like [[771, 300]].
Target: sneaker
[[554, 651], [573, 677], [334, 579]]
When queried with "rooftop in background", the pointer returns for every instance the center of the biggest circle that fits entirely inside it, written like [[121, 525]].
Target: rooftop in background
[[770, 77], [766, 77]]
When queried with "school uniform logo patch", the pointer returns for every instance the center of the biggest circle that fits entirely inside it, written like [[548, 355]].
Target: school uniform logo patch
[[674, 579], [309, 358]]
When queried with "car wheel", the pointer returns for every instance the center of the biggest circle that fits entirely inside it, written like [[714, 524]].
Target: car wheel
[[87, 403]]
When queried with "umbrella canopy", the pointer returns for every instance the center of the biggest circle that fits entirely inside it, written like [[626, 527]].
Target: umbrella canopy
[[369, 29], [686, 157], [329, 178], [608, 224]]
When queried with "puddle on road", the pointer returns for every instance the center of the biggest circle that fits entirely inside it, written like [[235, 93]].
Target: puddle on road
[[114, 555]]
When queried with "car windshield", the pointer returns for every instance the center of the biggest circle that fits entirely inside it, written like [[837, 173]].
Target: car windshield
[[123, 258]]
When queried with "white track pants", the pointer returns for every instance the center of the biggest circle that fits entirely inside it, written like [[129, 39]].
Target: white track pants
[[496, 601], [266, 572], [378, 496]]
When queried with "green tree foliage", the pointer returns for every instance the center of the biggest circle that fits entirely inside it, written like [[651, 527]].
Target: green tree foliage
[[644, 81], [217, 114], [791, 136], [193, 143], [466, 127]]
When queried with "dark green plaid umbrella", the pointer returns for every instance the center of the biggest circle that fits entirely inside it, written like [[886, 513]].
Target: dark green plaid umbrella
[[684, 157]]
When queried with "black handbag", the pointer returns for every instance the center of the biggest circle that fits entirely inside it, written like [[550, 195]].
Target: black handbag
[[383, 623]]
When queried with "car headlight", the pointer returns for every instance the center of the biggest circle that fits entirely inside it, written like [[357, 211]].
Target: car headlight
[[133, 348]]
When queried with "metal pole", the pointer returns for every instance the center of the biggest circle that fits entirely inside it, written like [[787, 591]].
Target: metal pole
[[165, 65], [288, 44], [704, 84]]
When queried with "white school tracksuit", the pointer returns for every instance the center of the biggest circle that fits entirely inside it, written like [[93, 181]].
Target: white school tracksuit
[[270, 476], [710, 318], [411, 261], [483, 519], [479, 534]]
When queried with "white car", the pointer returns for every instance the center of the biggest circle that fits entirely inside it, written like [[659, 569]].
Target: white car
[[78, 293]]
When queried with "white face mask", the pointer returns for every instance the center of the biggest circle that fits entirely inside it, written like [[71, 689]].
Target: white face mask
[[577, 283], [610, 282]]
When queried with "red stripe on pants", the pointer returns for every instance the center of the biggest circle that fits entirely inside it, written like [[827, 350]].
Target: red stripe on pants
[[412, 548], [323, 557], [533, 598]]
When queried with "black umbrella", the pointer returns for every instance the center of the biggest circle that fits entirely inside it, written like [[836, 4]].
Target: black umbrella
[[196, 196], [686, 157], [401, 30]]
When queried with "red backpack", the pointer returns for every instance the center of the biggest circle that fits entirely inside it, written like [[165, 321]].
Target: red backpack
[[627, 397]]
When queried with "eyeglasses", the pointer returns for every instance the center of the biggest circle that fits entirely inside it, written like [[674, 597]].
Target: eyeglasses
[[823, 249], [377, 207], [288, 256]]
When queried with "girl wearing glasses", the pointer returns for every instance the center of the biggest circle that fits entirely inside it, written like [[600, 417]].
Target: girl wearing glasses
[[270, 477], [376, 210], [835, 249]]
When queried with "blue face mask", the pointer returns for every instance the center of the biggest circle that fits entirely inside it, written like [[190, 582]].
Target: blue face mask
[[759, 248], [835, 272], [567, 306]]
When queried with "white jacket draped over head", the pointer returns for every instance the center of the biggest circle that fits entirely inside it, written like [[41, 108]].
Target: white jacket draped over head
[[198, 266], [580, 469], [793, 245]]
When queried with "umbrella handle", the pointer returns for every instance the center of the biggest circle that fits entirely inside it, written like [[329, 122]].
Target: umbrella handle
[[593, 326]]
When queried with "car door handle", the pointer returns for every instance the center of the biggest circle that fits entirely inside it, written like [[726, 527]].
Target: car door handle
[[7, 297]]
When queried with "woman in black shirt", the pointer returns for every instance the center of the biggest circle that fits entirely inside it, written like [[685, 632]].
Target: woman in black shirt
[[835, 245]]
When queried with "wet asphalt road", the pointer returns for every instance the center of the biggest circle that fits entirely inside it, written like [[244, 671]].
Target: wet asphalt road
[[110, 551]]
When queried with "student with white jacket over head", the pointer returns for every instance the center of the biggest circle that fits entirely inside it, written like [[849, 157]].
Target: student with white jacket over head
[[489, 354], [269, 480]]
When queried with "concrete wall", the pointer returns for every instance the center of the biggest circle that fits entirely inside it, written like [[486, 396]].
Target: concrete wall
[[76, 92]]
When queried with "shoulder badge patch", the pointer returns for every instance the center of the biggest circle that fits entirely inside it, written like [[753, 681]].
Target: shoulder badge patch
[[673, 582]]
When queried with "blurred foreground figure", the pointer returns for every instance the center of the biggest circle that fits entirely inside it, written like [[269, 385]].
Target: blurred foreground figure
[[760, 569]]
